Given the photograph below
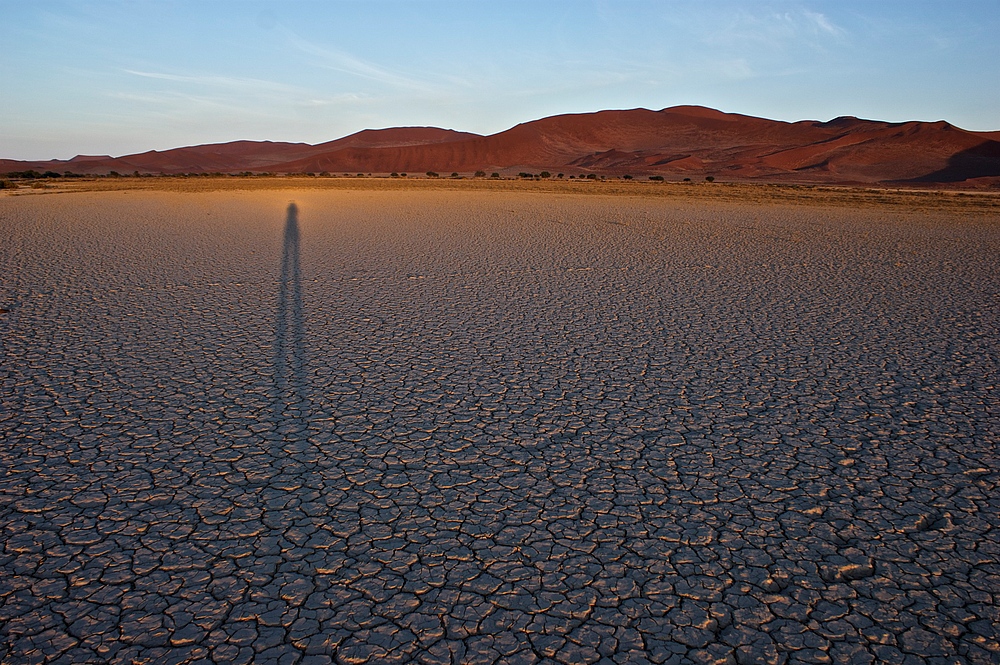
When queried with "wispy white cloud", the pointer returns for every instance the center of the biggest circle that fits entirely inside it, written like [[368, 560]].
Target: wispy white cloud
[[215, 81], [233, 92], [822, 23], [340, 61], [775, 31], [325, 57]]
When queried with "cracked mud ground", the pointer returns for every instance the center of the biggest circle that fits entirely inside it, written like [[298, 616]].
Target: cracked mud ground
[[450, 427]]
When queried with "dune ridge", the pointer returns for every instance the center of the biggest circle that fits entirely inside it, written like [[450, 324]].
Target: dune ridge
[[676, 142]]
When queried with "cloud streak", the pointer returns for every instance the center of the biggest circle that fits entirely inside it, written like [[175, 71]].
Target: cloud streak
[[348, 64], [215, 81], [336, 60]]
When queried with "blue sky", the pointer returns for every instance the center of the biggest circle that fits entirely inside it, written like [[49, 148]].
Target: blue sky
[[127, 76]]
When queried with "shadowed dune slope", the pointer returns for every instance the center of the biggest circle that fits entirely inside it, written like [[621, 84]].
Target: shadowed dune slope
[[678, 141]]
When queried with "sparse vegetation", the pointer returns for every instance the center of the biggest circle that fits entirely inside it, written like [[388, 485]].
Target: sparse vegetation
[[687, 179], [656, 178], [454, 174], [560, 175], [495, 175], [432, 174], [7, 184], [480, 174], [710, 178], [393, 175], [544, 174], [591, 176], [627, 176]]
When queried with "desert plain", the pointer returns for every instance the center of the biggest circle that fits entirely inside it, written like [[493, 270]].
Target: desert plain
[[383, 422]]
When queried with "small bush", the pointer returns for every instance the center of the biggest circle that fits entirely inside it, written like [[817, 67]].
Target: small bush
[[454, 174], [627, 176], [7, 184], [393, 175], [544, 174], [656, 178], [591, 176], [495, 175], [432, 174], [402, 175], [687, 179], [560, 175], [710, 178], [480, 174]]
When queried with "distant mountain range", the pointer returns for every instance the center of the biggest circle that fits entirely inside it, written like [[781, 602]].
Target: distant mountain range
[[676, 142]]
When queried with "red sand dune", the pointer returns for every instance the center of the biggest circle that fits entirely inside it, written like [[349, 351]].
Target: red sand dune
[[682, 141]]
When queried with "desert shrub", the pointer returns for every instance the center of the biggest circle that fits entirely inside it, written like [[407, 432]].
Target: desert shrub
[[454, 174], [53, 174], [361, 175], [627, 176], [522, 174], [402, 175], [656, 178], [495, 175], [560, 175], [432, 174], [393, 175], [710, 178], [480, 174], [687, 179], [591, 176], [7, 184], [544, 174]]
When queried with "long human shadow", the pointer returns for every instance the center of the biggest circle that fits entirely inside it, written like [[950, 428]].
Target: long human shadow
[[290, 402]]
